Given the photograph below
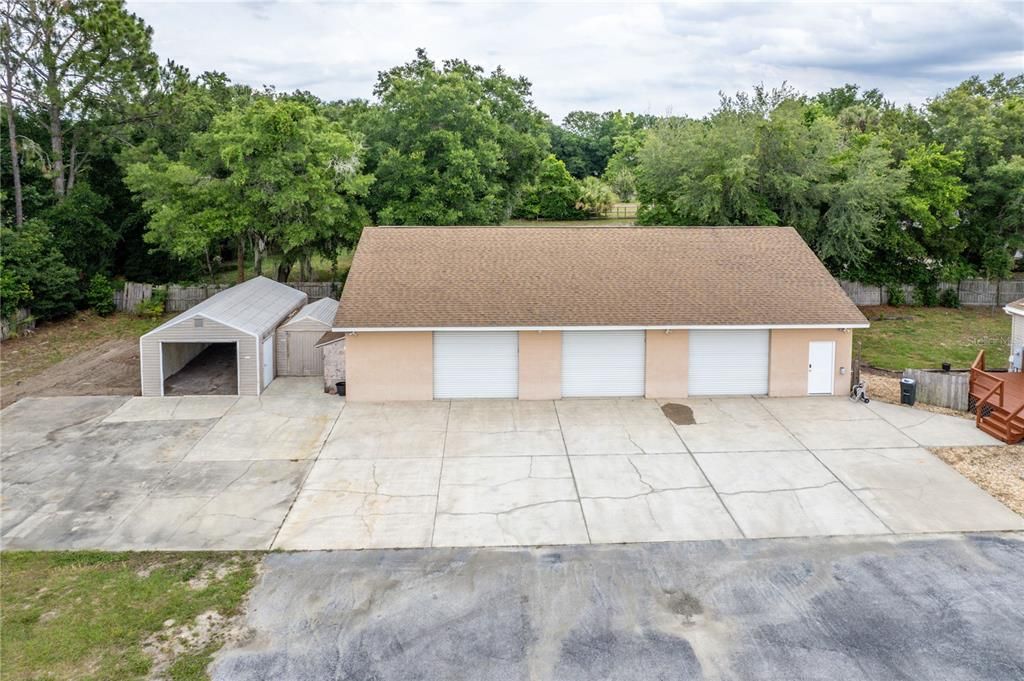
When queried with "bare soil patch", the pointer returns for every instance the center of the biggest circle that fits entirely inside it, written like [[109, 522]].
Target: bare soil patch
[[112, 368], [82, 355]]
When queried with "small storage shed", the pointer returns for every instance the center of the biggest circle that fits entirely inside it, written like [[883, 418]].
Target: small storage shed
[[245, 316], [297, 351]]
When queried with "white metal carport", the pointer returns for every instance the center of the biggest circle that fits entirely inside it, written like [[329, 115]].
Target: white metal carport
[[247, 314]]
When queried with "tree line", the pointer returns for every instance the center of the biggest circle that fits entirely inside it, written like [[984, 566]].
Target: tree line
[[120, 165]]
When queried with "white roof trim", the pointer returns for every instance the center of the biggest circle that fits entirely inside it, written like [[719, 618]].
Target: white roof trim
[[695, 327], [1014, 310]]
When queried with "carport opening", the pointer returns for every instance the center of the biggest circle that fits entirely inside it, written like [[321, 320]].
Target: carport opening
[[200, 368]]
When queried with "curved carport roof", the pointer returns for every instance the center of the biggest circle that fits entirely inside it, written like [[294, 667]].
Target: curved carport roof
[[256, 307]]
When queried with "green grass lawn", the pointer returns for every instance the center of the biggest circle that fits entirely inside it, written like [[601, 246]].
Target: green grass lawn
[[923, 338], [87, 614]]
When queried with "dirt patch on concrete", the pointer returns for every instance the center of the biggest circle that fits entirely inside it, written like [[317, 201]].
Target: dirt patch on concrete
[[997, 470], [679, 414], [110, 368]]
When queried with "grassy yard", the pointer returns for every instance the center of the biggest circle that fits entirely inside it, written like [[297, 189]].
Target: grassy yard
[[96, 615], [53, 342], [924, 338]]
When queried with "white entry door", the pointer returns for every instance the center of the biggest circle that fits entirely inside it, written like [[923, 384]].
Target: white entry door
[[821, 361], [268, 360], [603, 363], [471, 364], [728, 362]]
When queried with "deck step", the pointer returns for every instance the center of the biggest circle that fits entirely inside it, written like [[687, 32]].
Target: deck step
[[999, 430]]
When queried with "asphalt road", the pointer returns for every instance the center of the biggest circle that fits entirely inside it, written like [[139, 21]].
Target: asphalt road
[[939, 607]]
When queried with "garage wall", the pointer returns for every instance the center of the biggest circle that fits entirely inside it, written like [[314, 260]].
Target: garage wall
[[389, 365], [667, 363], [211, 332], [177, 355], [540, 365], [334, 365], [1017, 334], [787, 371]]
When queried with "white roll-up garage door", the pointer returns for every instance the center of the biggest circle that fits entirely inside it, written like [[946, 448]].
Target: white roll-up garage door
[[476, 364], [728, 362], [602, 363]]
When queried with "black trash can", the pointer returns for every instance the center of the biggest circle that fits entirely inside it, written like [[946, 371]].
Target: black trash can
[[340, 386], [908, 391]]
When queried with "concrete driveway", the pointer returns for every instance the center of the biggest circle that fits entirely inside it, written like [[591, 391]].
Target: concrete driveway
[[880, 608], [296, 469]]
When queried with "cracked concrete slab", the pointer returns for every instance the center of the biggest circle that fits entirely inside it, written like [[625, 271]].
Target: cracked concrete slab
[[510, 443], [492, 416], [789, 409], [34, 422], [786, 494], [503, 501], [355, 442], [763, 471], [737, 436], [185, 408], [929, 429], [353, 504], [831, 434], [213, 505], [912, 491], [622, 439], [269, 428], [648, 497], [101, 472], [395, 416], [727, 409]]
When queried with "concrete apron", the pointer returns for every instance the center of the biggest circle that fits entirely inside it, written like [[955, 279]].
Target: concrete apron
[[297, 469]]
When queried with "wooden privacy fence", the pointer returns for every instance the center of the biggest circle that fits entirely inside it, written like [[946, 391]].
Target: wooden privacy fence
[[971, 292], [181, 298], [941, 388]]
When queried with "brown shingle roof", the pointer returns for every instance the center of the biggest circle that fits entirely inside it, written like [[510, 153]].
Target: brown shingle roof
[[443, 277]]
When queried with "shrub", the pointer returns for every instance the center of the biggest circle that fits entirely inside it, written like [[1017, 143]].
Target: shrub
[[926, 295], [100, 294], [154, 307], [896, 297], [34, 272], [595, 197], [949, 298]]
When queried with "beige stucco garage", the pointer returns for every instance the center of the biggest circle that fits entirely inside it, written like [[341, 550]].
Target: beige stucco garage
[[528, 313]]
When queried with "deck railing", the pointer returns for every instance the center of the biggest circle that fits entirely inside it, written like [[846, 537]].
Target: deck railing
[[979, 381]]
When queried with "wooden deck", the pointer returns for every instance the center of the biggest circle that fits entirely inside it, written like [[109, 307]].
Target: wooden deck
[[998, 401]]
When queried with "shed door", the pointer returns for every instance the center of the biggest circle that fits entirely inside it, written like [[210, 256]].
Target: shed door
[[728, 362], [476, 364], [603, 363], [268, 360]]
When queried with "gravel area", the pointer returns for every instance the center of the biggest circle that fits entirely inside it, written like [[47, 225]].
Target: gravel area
[[886, 388], [997, 470]]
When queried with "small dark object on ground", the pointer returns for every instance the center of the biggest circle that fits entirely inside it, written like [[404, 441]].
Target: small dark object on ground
[[679, 414], [340, 387]]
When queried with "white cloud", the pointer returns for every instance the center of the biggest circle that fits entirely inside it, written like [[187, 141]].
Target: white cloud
[[644, 57]]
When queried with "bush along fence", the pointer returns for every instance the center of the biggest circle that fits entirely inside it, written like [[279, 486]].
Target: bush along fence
[[970, 292], [21, 322], [180, 298]]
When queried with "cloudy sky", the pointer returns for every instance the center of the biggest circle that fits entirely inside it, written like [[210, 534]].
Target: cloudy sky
[[644, 57]]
